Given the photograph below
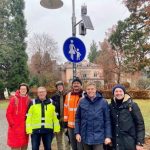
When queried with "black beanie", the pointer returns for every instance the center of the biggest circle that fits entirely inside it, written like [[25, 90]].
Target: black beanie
[[77, 80], [118, 86]]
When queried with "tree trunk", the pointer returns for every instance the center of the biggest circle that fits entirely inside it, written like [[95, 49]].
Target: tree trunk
[[118, 77]]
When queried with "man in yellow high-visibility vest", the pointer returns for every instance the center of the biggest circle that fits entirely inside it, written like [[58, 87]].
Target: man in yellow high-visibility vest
[[41, 120]]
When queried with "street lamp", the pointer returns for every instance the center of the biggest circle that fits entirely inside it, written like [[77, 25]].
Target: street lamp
[[51, 4], [85, 23], [54, 4]]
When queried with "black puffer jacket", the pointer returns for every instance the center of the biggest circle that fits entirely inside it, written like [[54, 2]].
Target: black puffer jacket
[[127, 125]]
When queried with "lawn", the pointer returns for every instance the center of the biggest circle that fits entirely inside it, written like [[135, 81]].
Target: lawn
[[145, 109], [3, 104], [143, 104]]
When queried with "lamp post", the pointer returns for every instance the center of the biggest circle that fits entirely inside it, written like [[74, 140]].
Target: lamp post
[[55, 4], [73, 33]]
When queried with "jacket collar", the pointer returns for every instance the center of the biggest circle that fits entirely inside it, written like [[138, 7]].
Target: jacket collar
[[98, 95], [77, 93], [46, 101], [126, 98]]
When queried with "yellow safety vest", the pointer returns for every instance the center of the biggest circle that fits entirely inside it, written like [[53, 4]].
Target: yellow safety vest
[[35, 120]]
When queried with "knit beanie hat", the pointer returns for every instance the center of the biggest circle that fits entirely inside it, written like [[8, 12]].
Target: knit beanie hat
[[118, 86], [77, 80]]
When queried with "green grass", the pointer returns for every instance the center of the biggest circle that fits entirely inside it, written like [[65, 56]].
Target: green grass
[[3, 104], [145, 109]]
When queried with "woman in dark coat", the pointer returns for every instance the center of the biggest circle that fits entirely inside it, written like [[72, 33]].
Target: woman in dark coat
[[128, 129], [92, 125], [16, 115]]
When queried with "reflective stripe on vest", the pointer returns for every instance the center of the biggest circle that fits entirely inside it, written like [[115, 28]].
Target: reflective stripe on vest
[[51, 100], [69, 94], [65, 105], [72, 109], [42, 118], [33, 101], [65, 117], [71, 123]]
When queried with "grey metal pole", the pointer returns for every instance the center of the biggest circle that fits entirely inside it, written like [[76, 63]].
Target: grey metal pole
[[73, 19], [73, 32]]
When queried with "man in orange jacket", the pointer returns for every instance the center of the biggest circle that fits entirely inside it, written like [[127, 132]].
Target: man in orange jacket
[[70, 106]]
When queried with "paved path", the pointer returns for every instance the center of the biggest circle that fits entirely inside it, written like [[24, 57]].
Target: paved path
[[3, 131]]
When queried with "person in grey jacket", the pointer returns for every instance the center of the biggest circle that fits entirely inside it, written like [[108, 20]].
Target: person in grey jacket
[[128, 129], [92, 124]]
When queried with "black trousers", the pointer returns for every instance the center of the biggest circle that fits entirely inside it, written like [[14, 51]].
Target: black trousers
[[93, 147]]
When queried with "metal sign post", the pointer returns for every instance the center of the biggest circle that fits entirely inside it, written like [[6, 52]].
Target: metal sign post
[[73, 34], [84, 24]]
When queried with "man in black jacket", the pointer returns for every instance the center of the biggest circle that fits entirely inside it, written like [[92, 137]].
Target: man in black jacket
[[58, 100], [128, 130]]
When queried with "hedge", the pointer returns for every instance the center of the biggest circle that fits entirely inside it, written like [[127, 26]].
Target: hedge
[[136, 94]]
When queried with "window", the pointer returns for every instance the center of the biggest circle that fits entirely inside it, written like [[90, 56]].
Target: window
[[95, 74], [84, 75]]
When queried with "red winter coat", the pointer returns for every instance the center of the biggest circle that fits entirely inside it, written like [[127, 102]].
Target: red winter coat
[[16, 115]]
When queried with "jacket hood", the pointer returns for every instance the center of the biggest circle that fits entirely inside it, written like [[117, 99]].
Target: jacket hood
[[17, 94], [126, 97]]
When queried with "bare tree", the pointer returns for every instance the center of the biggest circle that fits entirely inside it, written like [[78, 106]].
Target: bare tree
[[43, 64], [43, 43]]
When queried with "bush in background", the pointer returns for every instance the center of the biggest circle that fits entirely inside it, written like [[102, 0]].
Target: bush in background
[[144, 83], [135, 94]]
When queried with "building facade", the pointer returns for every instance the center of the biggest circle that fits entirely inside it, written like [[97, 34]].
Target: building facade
[[85, 70]]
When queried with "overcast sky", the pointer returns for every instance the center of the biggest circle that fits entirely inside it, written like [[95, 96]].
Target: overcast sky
[[57, 23]]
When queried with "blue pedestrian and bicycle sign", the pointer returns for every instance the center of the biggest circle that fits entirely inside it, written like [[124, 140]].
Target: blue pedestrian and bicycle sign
[[74, 49]]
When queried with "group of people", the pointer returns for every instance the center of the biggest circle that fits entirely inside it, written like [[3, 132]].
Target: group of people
[[80, 120]]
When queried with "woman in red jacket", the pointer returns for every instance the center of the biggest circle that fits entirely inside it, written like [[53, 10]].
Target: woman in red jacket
[[16, 115]]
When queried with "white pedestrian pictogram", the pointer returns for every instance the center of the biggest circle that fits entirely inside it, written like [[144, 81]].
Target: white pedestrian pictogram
[[74, 51], [78, 54]]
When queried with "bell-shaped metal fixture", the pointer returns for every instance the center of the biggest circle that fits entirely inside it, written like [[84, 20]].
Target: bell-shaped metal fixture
[[51, 4]]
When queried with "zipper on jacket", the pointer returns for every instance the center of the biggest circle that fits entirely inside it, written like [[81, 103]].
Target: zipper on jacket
[[43, 114]]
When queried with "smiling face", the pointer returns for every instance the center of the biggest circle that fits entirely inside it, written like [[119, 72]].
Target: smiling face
[[119, 93], [41, 92], [23, 90], [76, 86], [91, 91], [60, 88]]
